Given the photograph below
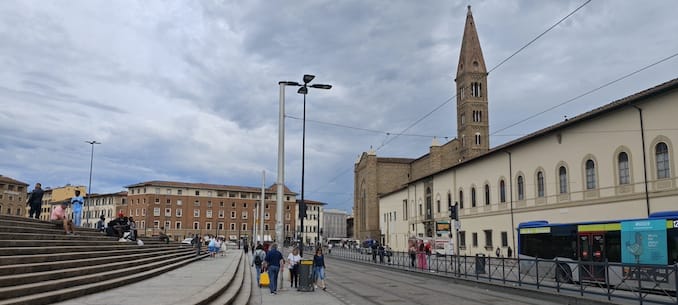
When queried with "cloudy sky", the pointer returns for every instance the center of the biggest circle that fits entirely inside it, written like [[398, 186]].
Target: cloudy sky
[[188, 90]]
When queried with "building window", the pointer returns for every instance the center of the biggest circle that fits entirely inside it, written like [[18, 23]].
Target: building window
[[504, 239], [477, 116], [438, 205], [196, 213], [209, 203], [177, 225], [157, 201], [267, 216], [196, 203], [562, 179], [662, 157], [178, 212], [231, 226], [196, 225], [474, 239], [168, 212], [244, 226], [590, 174], [521, 188], [232, 214], [502, 191], [156, 211], [179, 192], [476, 89], [473, 197], [157, 190], [208, 214], [462, 239], [244, 214], [168, 225], [156, 224], [461, 199], [623, 165], [220, 226], [488, 238], [540, 184], [169, 191], [405, 210], [179, 202], [487, 194], [208, 226], [168, 201], [209, 193], [221, 213], [197, 193], [477, 136]]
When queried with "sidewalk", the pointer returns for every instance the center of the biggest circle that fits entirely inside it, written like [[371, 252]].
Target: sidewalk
[[287, 295]]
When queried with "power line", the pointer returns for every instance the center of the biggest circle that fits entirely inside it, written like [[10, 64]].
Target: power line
[[388, 133], [587, 92], [538, 36]]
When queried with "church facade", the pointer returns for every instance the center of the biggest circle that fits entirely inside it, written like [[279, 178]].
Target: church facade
[[613, 162]]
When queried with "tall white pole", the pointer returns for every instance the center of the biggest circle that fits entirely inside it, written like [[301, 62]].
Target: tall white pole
[[262, 204], [281, 167]]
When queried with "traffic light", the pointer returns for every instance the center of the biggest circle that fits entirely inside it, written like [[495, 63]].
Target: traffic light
[[454, 212]]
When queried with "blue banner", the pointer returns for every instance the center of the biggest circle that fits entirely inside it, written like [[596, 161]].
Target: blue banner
[[644, 242]]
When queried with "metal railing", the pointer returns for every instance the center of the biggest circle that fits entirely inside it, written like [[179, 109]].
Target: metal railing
[[644, 284]]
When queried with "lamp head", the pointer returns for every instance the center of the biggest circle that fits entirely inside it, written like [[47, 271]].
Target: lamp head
[[288, 83], [308, 78], [303, 90], [321, 86]]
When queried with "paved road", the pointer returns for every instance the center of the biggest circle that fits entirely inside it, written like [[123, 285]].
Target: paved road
[[354, 283]]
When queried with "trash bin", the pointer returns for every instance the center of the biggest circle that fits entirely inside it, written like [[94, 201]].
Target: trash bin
[[480, 263], [306, 275]]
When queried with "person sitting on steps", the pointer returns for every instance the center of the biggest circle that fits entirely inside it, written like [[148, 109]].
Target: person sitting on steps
[[58, 216]]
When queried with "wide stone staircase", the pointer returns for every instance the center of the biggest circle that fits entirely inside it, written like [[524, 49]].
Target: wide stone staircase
[[39, 264]]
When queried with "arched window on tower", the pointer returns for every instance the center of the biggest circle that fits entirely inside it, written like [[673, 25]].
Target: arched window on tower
[[477, 116], [477, 138], [476, 89]]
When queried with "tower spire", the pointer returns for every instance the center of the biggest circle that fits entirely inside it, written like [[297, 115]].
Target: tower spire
[[472, 107]]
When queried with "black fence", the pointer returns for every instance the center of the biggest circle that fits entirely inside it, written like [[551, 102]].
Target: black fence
[[644, 284]]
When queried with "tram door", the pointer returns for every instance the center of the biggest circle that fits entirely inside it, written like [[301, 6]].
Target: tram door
[[592, 256]]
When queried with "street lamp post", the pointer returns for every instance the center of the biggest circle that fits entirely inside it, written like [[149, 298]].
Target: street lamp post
[[302, 206], [89, 187]]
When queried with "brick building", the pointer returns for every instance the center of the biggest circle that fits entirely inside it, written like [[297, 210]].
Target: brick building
[[188, 208], [12, 196]]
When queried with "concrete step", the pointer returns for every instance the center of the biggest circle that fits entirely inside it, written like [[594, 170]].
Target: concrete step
[[46, 249], [71, 281], [98, 282], [73, 270], [25, 228], [53, 236], [95, 258], [60, 256], [225, 291], [25, 222], [245, 292]]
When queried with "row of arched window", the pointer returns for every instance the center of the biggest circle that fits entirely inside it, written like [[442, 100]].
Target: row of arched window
[[623, 175]]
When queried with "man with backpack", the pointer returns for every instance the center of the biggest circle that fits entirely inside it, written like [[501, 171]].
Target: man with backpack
[[259, 256]]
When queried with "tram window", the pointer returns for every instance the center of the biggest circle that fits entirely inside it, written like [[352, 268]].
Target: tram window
[[672, 236], [613, 246]]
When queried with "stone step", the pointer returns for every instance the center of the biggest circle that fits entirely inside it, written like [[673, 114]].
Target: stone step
[[25, 222], [6, 228], [96, 258], [94, 283], [53, 236], [50, 285], [33, 250], [60, 256], [72, 270], [225, 291]]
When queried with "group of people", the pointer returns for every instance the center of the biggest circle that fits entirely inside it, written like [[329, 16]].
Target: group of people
[[59, 215], [271, 260], [216, 245]]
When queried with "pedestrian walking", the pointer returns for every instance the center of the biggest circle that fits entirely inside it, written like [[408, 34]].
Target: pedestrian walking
[[274, 261], [498, 252], [421, 256], [259, 256], [413, 255], [381, 251], [76, 204], [509, 252], [319, 268], [293, 260], [132, 229], [34, 201]]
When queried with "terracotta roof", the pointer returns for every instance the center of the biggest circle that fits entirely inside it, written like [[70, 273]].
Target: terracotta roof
[[6, 179], [123, 193], [219, 187], [313, 202]]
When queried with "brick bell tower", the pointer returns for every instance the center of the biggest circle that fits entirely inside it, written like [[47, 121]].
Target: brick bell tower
[[472, 107]]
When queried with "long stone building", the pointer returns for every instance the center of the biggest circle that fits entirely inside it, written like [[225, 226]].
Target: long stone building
[[613, 162]]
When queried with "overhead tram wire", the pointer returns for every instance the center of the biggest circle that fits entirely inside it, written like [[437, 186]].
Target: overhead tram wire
[[492, 69], [388, 133], [587, 92]]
